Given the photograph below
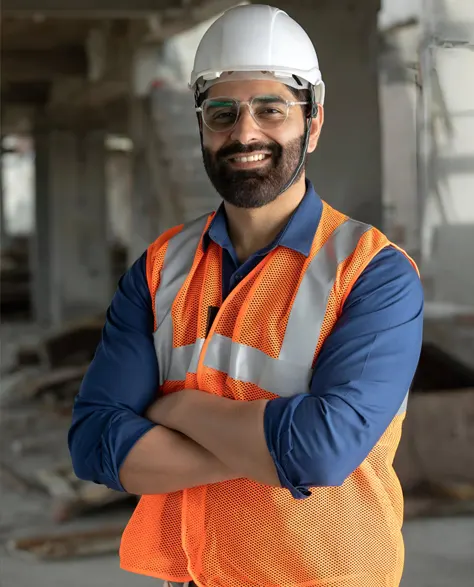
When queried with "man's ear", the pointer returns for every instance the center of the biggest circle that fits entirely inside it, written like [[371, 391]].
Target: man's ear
[[316, 126]]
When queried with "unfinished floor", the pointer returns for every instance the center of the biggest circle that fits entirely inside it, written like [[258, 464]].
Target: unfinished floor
[[440, 553]]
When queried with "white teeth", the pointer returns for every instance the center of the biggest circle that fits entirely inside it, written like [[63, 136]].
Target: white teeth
[[250, 158]]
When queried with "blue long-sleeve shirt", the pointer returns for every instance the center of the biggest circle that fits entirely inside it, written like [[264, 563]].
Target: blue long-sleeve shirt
[[319, 438]]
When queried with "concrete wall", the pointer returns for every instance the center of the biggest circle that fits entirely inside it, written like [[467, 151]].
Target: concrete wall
[[447, 61], [398, 115], [398, 94], [431, 204], [346, 168]]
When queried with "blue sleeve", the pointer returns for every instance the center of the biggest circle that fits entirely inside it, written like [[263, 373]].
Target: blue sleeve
[[360, 381], [121, 382]]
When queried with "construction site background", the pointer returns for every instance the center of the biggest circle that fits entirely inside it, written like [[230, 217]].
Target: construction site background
[[101, 153]]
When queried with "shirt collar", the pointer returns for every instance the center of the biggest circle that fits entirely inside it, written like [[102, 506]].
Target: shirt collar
[[298, 234]]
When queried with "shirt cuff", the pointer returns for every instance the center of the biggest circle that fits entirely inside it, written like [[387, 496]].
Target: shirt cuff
[[277, 426], [117, 442]]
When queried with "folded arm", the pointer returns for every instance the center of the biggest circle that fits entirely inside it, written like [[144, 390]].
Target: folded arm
[[231, 430], [360, 382], [110, 441]]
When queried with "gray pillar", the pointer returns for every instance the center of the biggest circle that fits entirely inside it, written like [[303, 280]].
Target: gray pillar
[[119, 196], [40, 256], [346, 167], [145, 205], [71, 263], [3, 228]]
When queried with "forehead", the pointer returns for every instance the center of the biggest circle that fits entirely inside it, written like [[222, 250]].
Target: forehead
[[245, 90]]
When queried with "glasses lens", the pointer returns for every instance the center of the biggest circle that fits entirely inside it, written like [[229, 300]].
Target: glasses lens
[[269, 111], [220, 114]]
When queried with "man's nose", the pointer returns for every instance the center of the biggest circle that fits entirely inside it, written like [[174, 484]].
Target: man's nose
[[246, 130]]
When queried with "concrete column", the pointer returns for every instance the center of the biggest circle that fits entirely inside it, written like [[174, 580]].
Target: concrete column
[[346, 168], [40, 251], [119, 188], [153, 206], [3, 229], [71, 264], [154, 197], [145, 210]]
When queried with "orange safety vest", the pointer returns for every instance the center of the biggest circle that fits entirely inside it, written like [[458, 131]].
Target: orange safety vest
[[264, 343]]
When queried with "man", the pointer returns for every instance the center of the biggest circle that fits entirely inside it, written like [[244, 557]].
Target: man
[[253, 374]]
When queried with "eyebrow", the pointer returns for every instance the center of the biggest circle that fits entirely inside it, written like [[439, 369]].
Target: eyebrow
[[270, 98], [224, 101], [220, 101]]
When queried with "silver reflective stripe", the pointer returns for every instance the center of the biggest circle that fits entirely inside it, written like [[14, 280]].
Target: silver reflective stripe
[[177, 264], [184, 360], [403, 408], [309, 308], [163, 339], [247, 364]]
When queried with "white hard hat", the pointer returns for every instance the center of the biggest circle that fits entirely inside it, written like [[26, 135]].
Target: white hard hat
[[256, 42]]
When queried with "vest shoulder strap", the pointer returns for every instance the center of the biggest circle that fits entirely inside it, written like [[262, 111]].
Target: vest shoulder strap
[[177, 246]]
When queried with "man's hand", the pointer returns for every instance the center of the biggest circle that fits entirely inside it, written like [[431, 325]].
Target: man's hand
[[164, 461], [231, 430]]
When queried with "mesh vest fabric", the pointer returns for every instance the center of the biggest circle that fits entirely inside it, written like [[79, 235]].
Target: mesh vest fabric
[[241, 533]]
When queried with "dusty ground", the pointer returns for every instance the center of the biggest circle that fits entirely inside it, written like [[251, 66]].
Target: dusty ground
[[439, 552]]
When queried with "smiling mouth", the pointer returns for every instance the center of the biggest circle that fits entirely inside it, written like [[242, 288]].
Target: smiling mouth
[[244, 159]]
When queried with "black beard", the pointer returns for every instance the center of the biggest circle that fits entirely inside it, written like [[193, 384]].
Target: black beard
[[253, 188]]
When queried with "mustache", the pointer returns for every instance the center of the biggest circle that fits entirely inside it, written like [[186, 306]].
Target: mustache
[[237, 148]]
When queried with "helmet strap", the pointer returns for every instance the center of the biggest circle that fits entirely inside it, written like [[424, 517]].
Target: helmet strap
[[301, 162], [199, 117], [314, 103], [304, 150]]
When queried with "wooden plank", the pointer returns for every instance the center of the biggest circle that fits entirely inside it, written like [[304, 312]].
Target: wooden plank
[[437, 440], [56, 382], [74, 496], [71, 545], [10, 478]]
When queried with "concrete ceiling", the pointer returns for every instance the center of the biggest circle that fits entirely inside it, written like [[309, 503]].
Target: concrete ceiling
[[92, 8], [64, 54], [61, 55]]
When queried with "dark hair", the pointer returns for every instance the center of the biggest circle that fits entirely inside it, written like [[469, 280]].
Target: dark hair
[[302, 95]]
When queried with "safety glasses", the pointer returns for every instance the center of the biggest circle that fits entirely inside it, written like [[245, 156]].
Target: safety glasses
[[222, 114]]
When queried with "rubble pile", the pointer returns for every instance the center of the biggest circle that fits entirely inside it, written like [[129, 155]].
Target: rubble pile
[[36, 400]]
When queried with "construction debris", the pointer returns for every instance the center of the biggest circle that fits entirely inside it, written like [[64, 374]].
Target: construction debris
[[28, 445], [15, 277], [51, 369], [73, 345], [55, 389], [428, 507], [52, 384], [438, 371], [15, 481], [70, 545], [74, 497], [436, 447]]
